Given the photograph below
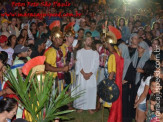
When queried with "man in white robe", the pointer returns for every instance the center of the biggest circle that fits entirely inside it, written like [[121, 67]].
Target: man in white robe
[[86, 68]]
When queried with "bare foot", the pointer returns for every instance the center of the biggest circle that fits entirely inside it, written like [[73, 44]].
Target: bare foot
[[79, 111], [91, 111]]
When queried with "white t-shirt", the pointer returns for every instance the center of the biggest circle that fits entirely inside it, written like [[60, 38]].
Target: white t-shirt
[[142, 86], [10, 52]]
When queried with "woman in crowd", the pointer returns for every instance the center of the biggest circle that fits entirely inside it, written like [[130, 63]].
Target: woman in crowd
[[8, 109], [148, 38], [156, 29], [24, 34], [133, 43], [147, 28], [124, 29], [33, 29], [138, 60], [12, 41], [140, 101]]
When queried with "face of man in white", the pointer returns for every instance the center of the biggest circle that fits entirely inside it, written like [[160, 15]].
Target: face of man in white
[[88, 42]]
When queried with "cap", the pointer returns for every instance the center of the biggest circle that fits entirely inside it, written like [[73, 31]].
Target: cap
[[20, 48], [3, 38], [5, 20]]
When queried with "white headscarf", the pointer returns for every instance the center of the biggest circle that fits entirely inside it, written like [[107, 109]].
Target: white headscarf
[[126, 56]]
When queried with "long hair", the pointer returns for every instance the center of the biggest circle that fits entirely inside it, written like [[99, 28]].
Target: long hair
[[149, 68], [7, 104], [9, 40], [123, 21]]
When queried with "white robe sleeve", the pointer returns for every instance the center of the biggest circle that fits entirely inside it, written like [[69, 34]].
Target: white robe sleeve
[[78, 66], [95, 65]]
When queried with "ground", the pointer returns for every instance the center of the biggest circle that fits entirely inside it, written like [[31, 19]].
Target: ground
[[85, 116]]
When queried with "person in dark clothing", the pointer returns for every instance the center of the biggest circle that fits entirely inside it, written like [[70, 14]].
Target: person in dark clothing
[[125, 84], [135, 70], [38, 48]]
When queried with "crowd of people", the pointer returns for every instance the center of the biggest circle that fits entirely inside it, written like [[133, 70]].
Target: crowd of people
[[84, 50]]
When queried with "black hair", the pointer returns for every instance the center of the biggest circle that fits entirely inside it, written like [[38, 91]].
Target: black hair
[[120, 41], [22, 32], [149, 68], [93, 21], [123, 21], [97, 42], [149, 33], [88, 34], [32, 24], [137, 21], [7, 104], [10, 18], [1, 58], [81, 29], [44, 36], [156, 40], [89, 17], [24, 59], [40, 24], [152, 80], [4, 57], [19, 38], [9, 39], [153, 97]]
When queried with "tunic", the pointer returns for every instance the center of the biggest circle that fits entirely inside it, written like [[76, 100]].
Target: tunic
[[88, 60]]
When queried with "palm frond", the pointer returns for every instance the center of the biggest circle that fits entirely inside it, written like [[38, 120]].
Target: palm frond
[[36, 96]]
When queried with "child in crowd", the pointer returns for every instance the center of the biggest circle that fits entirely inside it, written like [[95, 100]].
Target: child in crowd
[[6, 48], [21, 51], [152, 105]]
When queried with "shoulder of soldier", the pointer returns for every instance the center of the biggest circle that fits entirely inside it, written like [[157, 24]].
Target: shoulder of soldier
[[50, 50]]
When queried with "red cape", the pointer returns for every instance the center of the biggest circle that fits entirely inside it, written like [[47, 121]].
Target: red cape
[[115, 114]]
